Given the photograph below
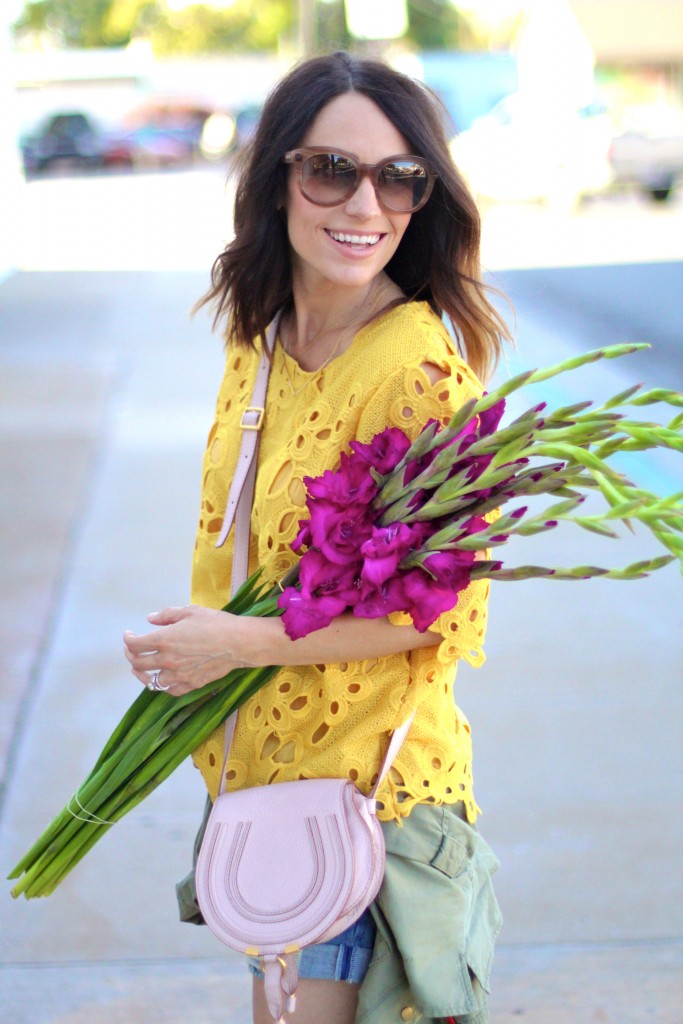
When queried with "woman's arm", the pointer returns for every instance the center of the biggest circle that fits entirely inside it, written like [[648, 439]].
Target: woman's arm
[[194, 646]]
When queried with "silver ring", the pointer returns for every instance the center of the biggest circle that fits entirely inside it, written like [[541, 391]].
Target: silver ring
[[154, 683]]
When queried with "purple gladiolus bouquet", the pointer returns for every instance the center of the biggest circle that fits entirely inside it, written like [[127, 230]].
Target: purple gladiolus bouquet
[[399, 526]]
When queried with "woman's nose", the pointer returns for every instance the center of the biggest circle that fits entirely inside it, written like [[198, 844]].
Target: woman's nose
[[364, 203]]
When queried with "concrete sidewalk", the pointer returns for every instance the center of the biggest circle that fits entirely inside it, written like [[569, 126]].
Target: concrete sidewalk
[[107, 394]]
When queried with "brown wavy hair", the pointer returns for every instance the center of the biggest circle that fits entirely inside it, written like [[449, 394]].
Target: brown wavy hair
[[437, 260]]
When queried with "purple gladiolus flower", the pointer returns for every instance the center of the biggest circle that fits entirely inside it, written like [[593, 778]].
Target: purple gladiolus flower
[[376, 602], [339, 532], [303, 615], [427, 599], [475, 524], [352, 482], [324, 592], [451, 568], [490, 418], [382, 553], [303, 538], [384, 452]]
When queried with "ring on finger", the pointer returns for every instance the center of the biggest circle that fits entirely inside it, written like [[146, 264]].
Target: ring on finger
[[154, 683]]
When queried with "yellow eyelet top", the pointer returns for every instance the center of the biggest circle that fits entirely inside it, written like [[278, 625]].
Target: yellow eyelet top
[[333, 720]]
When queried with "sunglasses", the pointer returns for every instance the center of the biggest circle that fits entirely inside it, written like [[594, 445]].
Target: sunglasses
[[402, 184]]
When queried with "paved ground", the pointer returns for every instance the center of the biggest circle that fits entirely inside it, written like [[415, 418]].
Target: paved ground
[[107, 391]]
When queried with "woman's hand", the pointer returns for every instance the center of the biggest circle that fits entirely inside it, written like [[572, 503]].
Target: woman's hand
[[191, 647]]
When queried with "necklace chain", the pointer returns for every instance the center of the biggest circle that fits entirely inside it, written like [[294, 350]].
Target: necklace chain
[[342, 337]]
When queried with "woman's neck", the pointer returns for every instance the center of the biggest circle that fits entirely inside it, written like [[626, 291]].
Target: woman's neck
[[325, 322]]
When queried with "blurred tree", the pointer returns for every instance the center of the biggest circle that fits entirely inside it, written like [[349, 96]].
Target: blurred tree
[[173, 26], [195, 28], [127, 19], [436, 25], [68, 22], [240, 26]]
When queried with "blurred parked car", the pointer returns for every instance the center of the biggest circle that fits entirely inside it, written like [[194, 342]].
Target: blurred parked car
[[649, 152], [165, 133], [152, 146], [68, 138], [523, 151], [158, 135]]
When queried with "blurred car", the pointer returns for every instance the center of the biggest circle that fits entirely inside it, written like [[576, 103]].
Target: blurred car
[[649, 152], [151, 146], [67, 138], [525, 151], [164, 133]]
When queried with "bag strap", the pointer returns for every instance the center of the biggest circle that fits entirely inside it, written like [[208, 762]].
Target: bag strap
[[241, 494], [395, 743]]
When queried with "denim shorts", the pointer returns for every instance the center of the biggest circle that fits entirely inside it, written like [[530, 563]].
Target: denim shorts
[[346, 957]]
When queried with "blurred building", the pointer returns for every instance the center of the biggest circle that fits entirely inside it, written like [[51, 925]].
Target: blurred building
[[633, 32], [640, 41]]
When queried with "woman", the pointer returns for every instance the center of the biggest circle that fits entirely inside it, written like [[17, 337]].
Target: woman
[[353, 228]]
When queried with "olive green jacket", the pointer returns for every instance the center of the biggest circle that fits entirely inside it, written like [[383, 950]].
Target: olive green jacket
[[437, 921]]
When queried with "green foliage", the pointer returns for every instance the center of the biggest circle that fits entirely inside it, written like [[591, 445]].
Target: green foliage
[[242, 25], [70, 22], [435, 25], [127, 19], [199, 28]]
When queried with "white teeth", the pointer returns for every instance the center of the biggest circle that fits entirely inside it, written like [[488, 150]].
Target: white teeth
[[355, 239]]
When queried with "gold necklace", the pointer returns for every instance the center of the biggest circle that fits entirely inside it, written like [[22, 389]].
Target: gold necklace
[[342, 337], [311, 373]]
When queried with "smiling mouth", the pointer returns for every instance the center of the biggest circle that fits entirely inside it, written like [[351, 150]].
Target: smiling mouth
[[348, 239]]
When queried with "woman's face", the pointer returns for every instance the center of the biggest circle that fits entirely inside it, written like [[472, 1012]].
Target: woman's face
[[321, 255]]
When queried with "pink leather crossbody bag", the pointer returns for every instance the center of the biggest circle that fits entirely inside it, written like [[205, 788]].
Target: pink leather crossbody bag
[[295, 863], [288, 865]]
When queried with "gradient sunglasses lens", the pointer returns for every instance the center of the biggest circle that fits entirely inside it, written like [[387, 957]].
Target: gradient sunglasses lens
[[332, 178], [403, 185]]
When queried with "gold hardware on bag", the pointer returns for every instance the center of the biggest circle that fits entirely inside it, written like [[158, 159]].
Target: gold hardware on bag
[[260, 413], [407, 1013]]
